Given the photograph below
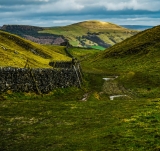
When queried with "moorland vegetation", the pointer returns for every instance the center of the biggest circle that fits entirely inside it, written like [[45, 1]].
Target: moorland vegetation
[[86, 119]]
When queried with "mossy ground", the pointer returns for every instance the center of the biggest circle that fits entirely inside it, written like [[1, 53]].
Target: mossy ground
[[62, 121]]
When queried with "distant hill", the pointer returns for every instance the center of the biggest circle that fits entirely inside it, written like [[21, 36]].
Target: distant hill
[[95, 25], [18, 52], [94, 34], [89, 34]]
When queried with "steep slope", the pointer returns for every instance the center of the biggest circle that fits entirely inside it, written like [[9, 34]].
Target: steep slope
[[93, 34], [142, 43], [17, 52], [139, 53]]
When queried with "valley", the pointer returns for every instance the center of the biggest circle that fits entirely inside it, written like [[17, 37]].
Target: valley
[[90, 117]]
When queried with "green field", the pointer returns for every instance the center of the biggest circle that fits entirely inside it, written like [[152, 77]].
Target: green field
[[98, 47]]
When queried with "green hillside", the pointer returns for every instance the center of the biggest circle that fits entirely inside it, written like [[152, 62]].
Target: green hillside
[[143, 43], [94, 34], [136, 60], [142, 49], [16, 51]]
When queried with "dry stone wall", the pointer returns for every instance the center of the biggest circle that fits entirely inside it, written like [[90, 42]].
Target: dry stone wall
[[37, 80]]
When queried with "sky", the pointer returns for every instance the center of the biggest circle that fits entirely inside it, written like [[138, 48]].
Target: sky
[[48, 13]]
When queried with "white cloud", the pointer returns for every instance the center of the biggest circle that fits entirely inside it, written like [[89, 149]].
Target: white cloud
[[133, 4], [135, 21], [80, 4], [152, 5], [61, 6]]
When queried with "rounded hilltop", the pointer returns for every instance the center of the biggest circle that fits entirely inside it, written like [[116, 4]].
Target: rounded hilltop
[[95, 24]]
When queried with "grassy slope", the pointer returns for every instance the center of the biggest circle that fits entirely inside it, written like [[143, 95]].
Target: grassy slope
[[56, 48], [140, 53], [140, 43], [15, 51], [108, 32], [136, 60]]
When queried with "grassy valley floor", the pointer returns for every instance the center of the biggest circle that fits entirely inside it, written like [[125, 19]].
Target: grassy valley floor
[[61, 120]]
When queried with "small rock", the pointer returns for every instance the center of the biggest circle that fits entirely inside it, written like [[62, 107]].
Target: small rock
[[15, 52]]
